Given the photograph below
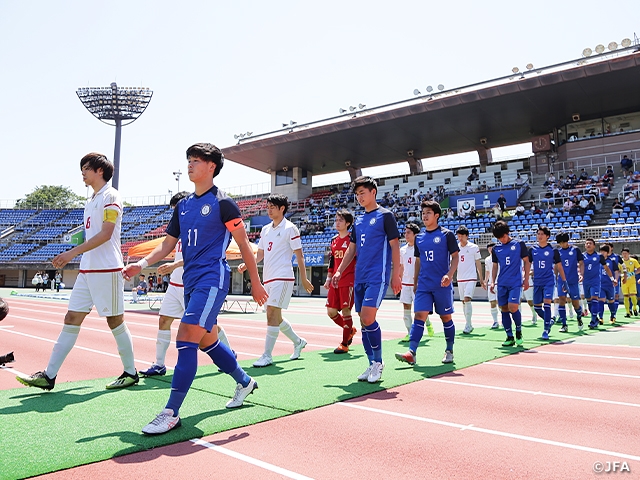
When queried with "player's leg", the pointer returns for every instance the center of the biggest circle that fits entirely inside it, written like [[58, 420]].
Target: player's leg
[[374, 293], [493, 302], [283, 324], [503, 302], [345, 299], [467, 296], [562, 310], [423, 307], [443, 305], [172, 307], [406, 299], [514, 309]]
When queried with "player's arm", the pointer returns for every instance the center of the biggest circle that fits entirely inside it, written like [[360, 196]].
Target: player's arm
[[308, 286], [327, 283], [527, 273], [258, 292], [416, 272], [446, 280], [349, 255], [396, 278], [157, 254], [580, 270], [479, 270]]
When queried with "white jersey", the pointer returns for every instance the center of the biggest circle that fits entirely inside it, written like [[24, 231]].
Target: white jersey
[[408, 263], [488, 267], [107, 257], [467, 262], [279, 244], [176, 275]]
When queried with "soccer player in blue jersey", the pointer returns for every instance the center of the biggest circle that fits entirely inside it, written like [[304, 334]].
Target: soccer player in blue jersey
[[436, 252], [375, 241], [593, 263], [546, 262], [617, 259], [204, 222], [608, 283], [508, 256], [573, 266]]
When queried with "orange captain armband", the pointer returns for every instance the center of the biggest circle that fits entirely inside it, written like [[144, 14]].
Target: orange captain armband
[[234, 224]]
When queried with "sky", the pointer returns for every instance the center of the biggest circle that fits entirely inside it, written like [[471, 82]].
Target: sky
[[222, 68]]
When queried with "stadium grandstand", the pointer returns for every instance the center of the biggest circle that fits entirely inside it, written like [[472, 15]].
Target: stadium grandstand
[[582, 119]]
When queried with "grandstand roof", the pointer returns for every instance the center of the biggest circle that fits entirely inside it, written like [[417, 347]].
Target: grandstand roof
[[505, 111]]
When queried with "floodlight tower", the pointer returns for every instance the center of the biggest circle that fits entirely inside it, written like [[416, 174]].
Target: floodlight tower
[[115, 106]]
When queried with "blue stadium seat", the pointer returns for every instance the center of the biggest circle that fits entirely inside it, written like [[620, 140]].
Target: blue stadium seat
[[615, 234], [634, 232], [615, 215], [624, 215], [575, 236], [583, 224], [633, 214], [631, 220]]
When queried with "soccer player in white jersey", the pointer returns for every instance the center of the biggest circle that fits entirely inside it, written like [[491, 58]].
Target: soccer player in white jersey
[[469, 272], [172, 305], [279, 241], [492, 296], [99, 282], [407, 269]]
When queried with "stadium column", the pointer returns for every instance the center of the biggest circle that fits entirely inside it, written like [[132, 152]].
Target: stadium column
[[485, 156]]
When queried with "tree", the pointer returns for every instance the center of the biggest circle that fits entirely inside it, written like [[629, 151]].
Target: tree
[[51, 196]]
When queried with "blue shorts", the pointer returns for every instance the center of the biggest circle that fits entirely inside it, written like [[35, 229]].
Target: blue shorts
[[203, 306], [441, 298], [608, 292], [509, 295], [591, 290], [618, 288], [574, 291], [368, 294], [543, 292]]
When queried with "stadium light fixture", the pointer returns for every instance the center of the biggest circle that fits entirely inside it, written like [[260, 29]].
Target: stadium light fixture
[[587, 52], [440, 87], [429, 89], [515, 70], [342, 110], [599, 48], [529, 66], [626, 42], [612, 46], [416, 91], [115, 106], [361, 106], [177, 176]]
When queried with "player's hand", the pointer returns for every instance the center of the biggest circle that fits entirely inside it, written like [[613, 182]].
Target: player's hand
[[446, 281], [335, 279], [242, 267], [396, 284], [492, 288], [308, 286], [166, 268], [259, 294], [484, 285], [327, 284], [525, 284], [615, 283], [61, 260], [565, 286], [131, 270]]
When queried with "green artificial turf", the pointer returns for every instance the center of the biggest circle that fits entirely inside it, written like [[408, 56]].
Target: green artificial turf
[[81, 422]]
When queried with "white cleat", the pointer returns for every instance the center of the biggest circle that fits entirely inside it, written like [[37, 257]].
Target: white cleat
[[264, 361], [448, 357], [467, 329], [376, 372], [241, 394], [365, 375], [163, 422], [297, 349]]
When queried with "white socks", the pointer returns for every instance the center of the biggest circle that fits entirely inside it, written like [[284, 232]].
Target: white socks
[[270, 341], [285, 327], [408, 320], [163, 340], [125, 347], [66, 341], [468, 310], [222, 336], [494, 314]]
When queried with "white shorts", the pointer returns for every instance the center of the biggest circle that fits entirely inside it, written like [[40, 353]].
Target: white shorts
[[279, 293], [406, 294], [492, 297], [173, 302], [466, 289], [528, 294], [581, 288], [104, 290]]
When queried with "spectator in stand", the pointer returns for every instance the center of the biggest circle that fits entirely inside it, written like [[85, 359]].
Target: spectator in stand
[[472, 212], [584, 203], [551, 179], [469, 188], [520, 181], [592, 205], [502, 202], [595, 178], [584, 176], [484, 187], [610, 174], [568, 204], [617, 207], [626, 165], [630, 201], [520, 209], [572, 178], [497, 211], [450, 214], [565, 182], [550, 213], [535, 209]]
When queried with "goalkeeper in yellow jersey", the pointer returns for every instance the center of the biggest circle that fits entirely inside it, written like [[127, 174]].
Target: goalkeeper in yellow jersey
[[629, 286]]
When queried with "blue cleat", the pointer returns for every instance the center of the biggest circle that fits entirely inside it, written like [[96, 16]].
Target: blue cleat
[[545, 335], [154, 370]]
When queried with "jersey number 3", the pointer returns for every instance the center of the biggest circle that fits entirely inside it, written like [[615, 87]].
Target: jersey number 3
[[269, 247]]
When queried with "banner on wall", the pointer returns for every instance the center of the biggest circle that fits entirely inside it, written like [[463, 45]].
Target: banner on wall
[[465, 205]]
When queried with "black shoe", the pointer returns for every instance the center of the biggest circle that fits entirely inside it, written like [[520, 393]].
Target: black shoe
[[628, 315], [8, 358], [38, 379]]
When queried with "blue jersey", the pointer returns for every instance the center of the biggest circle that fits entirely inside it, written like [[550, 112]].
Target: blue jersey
[[509, 257], [592, 265], [543, 261], [371, 234], [434, 248], [612, 263], [571, 257], [204, 224]]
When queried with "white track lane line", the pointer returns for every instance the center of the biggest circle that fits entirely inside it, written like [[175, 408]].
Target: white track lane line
[[493, 432], [553, 369], [611, 357], [253, 461], [589, 344], [531, 392], [14, 371]]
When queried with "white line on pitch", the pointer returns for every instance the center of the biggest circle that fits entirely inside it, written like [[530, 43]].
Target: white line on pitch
[[554, 369], [492, 432], [546, 352], [531, 392], [13, 370], [253, 461], [585, 344]]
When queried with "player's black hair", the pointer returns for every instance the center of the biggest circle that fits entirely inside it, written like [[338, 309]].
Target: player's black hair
[[346, 215], [95, 161], [177, 197], [490, 245], [500, 229], [462, 230], [605, 248], [366, 182], [413, 227], [562, 237], [544, 229], [590, 240], [626, 249], [279, 200], [209, 153], [431, 205]]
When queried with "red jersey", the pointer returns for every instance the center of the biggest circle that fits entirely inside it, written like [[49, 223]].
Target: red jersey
[[338, 249]]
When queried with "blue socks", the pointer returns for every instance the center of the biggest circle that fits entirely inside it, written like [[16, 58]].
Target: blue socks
[[547, 316], [540, 311], [562, 310], [517, 319], [223, 357], [374, 334], [366, 344], [183, 374], [449, 334], [417, 330], [506, 323], [594, 311]]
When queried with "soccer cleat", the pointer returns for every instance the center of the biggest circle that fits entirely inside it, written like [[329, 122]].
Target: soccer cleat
[[519, 339], [341, 349], [241, 394], [354, 330], [509, 342], [627, 315], [163, 422], [408, 357], [580, 324], [495, 326], [8, 358], [297, 349], [376, 372], [406, 339], [38, 379], [564, 329], [123, 381], [448, 357], [545, 335], [364, 375], [601, 321], [264, 361], [154, 370], [636, 313], [553, 320], [467, 330], [534, 322], [430, 329], [612, 320]]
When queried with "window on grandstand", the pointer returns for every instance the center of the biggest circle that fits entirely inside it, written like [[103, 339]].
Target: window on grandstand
[[303, 176], [599, 127], [284, 178]]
